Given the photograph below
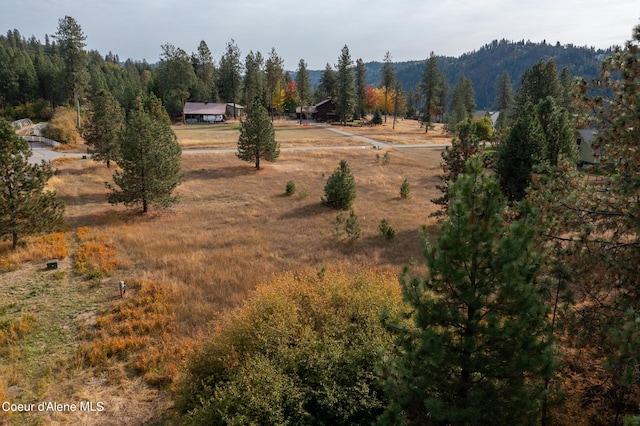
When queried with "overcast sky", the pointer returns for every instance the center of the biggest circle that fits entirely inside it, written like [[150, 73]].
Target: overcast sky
[[317, 30]]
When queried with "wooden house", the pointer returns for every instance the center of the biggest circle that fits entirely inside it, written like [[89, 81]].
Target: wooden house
[[325, 111]]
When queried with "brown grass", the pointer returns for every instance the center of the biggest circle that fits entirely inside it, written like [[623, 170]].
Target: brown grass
[[233, 229], [406, 132]]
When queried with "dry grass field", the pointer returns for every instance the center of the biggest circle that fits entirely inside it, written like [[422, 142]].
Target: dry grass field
[[69, 337]]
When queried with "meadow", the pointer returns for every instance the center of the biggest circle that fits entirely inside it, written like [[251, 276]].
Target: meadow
[[69, 336]]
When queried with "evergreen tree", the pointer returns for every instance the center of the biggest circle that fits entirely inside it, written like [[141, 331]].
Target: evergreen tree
[[504, 93], [361, 88], [257, 136], [340, 190], [558, 132], [25, 207], [388, 80], [75, 75], [478, 352], [254, 84], [176, 77], [230, 75], [328, 86], [524, 147], [463, 102], [432, 81], [303, 83], [103, 130], [274, 76], [205, 69], [539, 82], [464, 146], [345, 104], [149, 158]]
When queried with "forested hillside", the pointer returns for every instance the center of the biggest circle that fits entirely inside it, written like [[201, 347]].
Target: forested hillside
[[487, 64]]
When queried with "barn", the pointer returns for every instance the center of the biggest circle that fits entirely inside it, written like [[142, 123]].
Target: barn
[[204, 112]]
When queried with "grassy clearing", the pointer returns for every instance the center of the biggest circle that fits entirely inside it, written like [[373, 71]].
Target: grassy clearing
[[289, 133], [405, 132], [69, 337]]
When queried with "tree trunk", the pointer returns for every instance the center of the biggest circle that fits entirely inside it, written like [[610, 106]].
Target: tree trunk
[[145, 205], [14, 243]]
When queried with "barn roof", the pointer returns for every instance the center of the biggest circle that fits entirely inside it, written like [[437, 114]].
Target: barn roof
[[205, 108]]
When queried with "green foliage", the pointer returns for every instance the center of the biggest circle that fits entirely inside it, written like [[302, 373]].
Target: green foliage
[[455, 157], [25, 207], [386, 158], [290, 188], [386, 230], [377, 117], [177, 77], [340, 190], [463, 101], [520, 152], [352, 227], [405, 190], [230, 78], [484, 128], [345, 104], [71, 43], [478, 352], [301, 351], [102, 131], [149, 158], [257, 137]]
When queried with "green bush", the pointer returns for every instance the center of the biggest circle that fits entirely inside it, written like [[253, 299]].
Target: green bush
[[290, 188], [340, 190], [303, 350], [386, 230], [352, 227], [405, 190], [377, 117], [386, 158]]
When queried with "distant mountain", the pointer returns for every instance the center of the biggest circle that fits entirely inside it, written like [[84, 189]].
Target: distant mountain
[[486, 64]]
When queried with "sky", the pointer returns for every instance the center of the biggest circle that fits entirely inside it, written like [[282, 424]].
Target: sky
[[316, 31]]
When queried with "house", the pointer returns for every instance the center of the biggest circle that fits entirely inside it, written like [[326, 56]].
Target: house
[[325, 111], [204, 112], [234, 110], [307, 111], [584, 141], [493, 115]]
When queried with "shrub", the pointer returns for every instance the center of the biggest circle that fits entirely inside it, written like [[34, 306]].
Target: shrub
[[386, 230], [340, 190], [405, 190], [352, 227], [377, 117], [62, 127], [302, 350], [386, 158], [290, 188]]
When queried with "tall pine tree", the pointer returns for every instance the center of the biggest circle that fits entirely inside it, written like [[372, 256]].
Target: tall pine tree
[[149, 158], [25, 207], [345, 104], [103, 130], [257, 137], [478, 352]]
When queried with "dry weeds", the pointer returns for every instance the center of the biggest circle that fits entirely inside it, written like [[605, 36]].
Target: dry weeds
[[233, 230]]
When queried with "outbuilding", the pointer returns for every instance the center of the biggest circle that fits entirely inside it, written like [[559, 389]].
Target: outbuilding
[[204, 112]]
